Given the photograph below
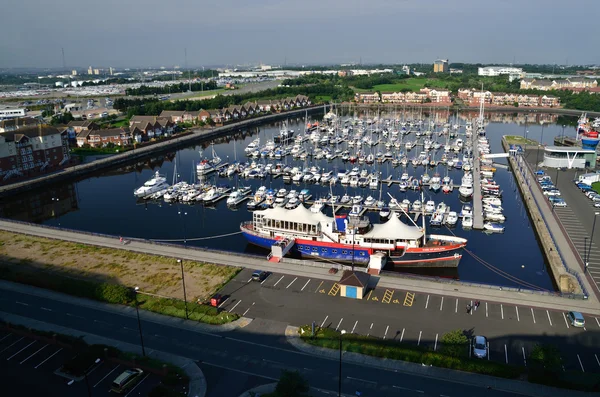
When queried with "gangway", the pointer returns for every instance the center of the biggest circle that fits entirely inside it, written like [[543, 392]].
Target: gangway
[[280, 249]]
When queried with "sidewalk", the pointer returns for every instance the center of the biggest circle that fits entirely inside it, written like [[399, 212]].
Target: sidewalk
[[465, 291], [197, 386], [484, 381]]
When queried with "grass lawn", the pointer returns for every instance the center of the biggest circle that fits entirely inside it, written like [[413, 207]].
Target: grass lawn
[[414, 84], [519, 140], [323, 98], [596, 187]]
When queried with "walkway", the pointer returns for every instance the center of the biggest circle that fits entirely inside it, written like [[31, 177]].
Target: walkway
[[477, 207]]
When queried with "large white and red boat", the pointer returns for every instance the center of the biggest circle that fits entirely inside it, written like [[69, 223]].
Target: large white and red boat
[[351, 239]]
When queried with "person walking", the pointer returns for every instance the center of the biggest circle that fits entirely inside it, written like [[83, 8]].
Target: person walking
[[468, 308], [476, 305]]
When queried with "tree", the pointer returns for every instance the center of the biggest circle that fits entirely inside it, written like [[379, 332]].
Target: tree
[[455, 343], [291, 384], [546, 357]]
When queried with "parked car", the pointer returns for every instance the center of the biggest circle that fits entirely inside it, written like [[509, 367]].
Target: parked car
[[480, 347], [559, 202], [552, 192], [590, 193], [597, 205], [126, 380], [259, 275], [576, 319]]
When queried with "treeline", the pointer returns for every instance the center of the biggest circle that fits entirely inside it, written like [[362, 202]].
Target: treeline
[[172, 88], [363, 82]]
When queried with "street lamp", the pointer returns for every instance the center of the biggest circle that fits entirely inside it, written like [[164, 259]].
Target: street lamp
[[184, 233], [137, 310], [87, 383], [55, 201], [183, 282], [591, 238], [342, 332], [537, 157]]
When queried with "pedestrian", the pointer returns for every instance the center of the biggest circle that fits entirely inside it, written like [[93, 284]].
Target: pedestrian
[[476, 305], [121, 239], [468, 308]]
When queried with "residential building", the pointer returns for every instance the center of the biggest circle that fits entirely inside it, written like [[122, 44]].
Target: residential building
[[90, 70], [571, 83], [14, 124], [176, 116], [367, 97], [437, 95], [392, 97], [102, 137], [440, 66], [32, 149], [75, 126], [528, 100], [549, 101], [498, 70], [415, 97], [582, 82]]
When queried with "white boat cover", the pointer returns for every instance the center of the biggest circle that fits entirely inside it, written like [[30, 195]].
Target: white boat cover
[[394, 229]]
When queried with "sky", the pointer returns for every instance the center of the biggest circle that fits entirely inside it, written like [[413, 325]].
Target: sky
[[150, 33]]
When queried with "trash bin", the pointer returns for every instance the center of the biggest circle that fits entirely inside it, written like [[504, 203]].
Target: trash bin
[[215, 300]]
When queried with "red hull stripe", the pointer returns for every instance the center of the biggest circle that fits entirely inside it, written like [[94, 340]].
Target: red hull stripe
[[436, 249], [400, 260]]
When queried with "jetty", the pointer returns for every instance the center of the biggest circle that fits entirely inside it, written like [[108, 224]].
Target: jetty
[[477, 206]]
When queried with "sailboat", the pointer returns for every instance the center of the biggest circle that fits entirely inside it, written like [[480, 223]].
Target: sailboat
[[207, 166]]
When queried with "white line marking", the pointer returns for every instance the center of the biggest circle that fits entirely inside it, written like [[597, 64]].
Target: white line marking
[[502, 311], [597, 322], [533, 315], [598, 361], [250, 279], [566, 322], [442, 304], [305, 285], [266, 278], [472, 310], [248, 309], [486, 309], [435, 344], [386, 330], [290, 284], [5, 337], [369, 333], [12, 344], [39, 350], [549, 319], [419, 341], [233, 308], [48, 358], [524, 357], [362, 380], [427, 302], [106, 376], [21, 303], [275, 285], [21, 350], [135, 387], [222, 303], [46, 309], [340, 323], [506, 354], [580, 363], [323, 323], [456, 308], [353, 328], [402, 336], [406, 388]]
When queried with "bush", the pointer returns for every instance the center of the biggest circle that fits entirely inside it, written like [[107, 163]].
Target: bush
[[545, 357], [455, 344], [291, 384], [114, 293]]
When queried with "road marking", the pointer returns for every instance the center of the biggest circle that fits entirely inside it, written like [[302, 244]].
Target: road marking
[[290, 284], [597, 322], [275, 285], [250, 279], [442, 304], [533, 315], [22, 303], [419, 341], [248, 309], [370, 329], [427, 302], [335, 288], [11, 345], [323, 323], [369, 295], [435, 344], [266, 278], [549, 319], [406, 388], [506, 354], [106, 376], [386, 330], [46, 309], [233, 308], [517, 309], [135, 387], [305, 285], [42, 348], [409, 299], [524, 357], [486, 309], [598, 361], [580, 363], [361, 380], [456, 308], [322, 281], [566, 322], [340, 323], [48, 358], [402, 335], [387, 296], [21, 350], [222, 303], [353, 328], [502, 311], [5, 337], [73, 315]]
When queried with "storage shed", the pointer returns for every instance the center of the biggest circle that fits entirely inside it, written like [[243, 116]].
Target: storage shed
[[354, 284]]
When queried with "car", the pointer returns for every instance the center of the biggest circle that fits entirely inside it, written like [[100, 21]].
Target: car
[[259, 275], [576, 319], [597, 205], [590, 193], [552, 192], [127, 379], [585, 188], [559, 203], [596, 198], [480, 346]]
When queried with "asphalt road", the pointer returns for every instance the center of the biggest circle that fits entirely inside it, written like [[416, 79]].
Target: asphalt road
[[258, 350]]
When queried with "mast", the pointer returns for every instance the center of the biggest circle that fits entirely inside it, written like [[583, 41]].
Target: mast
[[423, 216]]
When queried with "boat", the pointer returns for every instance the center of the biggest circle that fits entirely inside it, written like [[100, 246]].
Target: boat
[[492, 200], [465, 191], [384, 213], [356, 210], [466, 210], [207, 166], [369, 201], [317, 206], [357, 199], [351, 239], [494, 216], [435, 187], [429, 207], [467, 222], [345, 199], [452, 218], [493, 227], [236, 197], [416, 206], [436, 219], [153, 185]]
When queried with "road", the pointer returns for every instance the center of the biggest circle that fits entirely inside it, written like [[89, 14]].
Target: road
[[258, 350]]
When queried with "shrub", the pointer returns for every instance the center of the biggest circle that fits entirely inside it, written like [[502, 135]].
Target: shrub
[[546, 357], [455, 343], [291, 384], [114, 293]]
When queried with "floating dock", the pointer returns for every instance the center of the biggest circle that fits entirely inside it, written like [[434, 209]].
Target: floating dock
[[477, 206]]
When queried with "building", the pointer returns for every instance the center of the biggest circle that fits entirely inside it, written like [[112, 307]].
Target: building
[[354, 284], [102, 137], [456, 71], [569, 157], [440, 66], [96, 72], [392, 97], [90, 70], [76, 126], [12, 113], [498, 71], [74, 72], [17, 123], [367, 97], [111, 71], [571, 83], [437, 95], [549, 101], [32, 149]]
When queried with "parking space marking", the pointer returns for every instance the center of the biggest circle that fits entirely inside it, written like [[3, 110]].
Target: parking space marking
[[402, 335], [419, 341], [290, 284], [353, 328], [370, 328], [517, 310], [549, 319], [456, 307], [597, 322], [275, 285], [566, 322], [486, 309], [39, 350], [427, 302], [11, 345], [222, 303], [524, 357], [11, 334], [48, 358], [387, 296], [106, 376], [250, 279], [322, 281], [502, 311], [369, 295], [22, 303], [335, 288], [435, 344], [505, 354], [598, 361], [409, 299], [46, 309], [386, 330], [233, 308], [580, 363], [442, 304], [21, 350], [340, 323], [533, 315], [135, 387], [305, 285], [323, 323], [266, 278], [248, 309]]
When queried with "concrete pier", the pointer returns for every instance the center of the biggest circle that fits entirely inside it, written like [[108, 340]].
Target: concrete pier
[[477, 206]]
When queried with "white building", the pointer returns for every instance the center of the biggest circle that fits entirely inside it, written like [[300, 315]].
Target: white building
[[498, 70], [12, 113], [568, 157]]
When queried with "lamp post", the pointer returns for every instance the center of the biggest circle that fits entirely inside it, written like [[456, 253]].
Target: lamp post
[[87, 383], [183, 282], [184, 232], [591, 239], [55, 201], [342, 332], [137, 310], [537, 157]]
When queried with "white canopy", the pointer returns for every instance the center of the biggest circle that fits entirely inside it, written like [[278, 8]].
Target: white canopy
[[394, 229], [300, 214]]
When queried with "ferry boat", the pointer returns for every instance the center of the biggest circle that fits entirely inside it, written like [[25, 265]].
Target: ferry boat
[[344, 239]]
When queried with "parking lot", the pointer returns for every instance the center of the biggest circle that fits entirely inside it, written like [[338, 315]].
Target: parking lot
[[29, 365], [415, 318]]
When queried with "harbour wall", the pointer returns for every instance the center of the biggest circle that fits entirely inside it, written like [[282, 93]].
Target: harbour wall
[[565, 282], [195, 136]]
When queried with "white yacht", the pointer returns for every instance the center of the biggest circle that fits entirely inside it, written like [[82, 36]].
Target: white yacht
[[467, 222], [317, 206], [153, 185], [452, 218]]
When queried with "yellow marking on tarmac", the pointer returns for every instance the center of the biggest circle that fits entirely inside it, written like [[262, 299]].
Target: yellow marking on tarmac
[[396, 301], [409, 299], [322, 291], [319, 287], [375, 299], [334, 289], [369, 296], [387, 296]]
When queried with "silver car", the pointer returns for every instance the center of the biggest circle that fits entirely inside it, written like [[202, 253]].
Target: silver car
[[480, 347]]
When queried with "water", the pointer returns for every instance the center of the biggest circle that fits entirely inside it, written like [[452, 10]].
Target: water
[[105, 204]]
